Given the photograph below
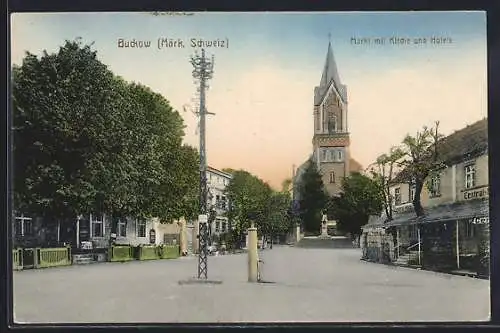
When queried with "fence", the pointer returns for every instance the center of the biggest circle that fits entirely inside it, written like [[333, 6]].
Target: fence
[[148, 252], [53, 257], [121, 253], [151, 252], [169, 251], [17, 259]]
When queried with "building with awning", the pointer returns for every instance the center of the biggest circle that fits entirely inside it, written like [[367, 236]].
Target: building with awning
[[453, 233]]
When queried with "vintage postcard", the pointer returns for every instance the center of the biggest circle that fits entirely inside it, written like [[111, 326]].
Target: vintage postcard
[[249, 167]]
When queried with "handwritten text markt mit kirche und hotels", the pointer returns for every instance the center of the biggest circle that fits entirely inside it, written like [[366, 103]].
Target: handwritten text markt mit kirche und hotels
[[396, 40], [168, 43]]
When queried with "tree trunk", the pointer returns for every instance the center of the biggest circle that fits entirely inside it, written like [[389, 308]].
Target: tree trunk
[[388, 202], [417, 204]]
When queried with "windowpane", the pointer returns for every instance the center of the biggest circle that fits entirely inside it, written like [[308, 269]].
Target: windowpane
[[97, 225], [397, 196], [97, 229], [28, 227], [122, 228], [141, 228], [19, 227], [332, 177], [470, 176]]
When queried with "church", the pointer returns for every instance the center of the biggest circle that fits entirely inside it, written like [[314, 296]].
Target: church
[[331, 132]]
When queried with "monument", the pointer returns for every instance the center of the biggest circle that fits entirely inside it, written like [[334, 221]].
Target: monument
[[324, 226]]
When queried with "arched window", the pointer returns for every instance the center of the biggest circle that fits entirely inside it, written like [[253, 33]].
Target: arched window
[[332, 177], [332, 124]]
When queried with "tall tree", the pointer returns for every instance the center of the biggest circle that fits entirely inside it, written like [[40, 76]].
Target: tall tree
[[277, 220], [360, 198], [248, 196], [85, 140], [421, 159], [383, 172], [63, 105], [313, 198]]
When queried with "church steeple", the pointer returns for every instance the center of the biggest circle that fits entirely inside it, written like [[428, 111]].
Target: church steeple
[[330, 73]]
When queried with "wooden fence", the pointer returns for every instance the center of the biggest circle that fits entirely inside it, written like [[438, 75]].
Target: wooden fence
[[17, 259], [53, 257], [121, 253]]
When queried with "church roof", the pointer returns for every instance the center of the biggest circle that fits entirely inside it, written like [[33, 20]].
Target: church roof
[[330, 73], [354, 166]]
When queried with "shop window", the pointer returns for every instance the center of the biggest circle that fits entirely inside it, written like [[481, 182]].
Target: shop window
[[413, 231], [469, 230]]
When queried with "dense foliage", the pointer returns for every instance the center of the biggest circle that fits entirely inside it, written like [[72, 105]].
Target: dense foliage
[[85, 140], [313, 198], [253, 200], [361, 197]]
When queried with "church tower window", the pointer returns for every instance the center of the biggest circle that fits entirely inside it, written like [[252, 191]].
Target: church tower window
[[332, 124], [332, 177]]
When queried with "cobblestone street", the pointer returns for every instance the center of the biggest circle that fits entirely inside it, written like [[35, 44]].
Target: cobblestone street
[[330, 285]]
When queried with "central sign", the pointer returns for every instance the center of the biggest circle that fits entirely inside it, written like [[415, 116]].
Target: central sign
[[475, 194]]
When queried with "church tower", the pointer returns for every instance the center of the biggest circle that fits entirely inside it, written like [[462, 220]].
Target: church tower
[[331, 134]]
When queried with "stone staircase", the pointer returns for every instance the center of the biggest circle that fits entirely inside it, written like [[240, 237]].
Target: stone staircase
[[409, 259], [83, 259], [325, 243]]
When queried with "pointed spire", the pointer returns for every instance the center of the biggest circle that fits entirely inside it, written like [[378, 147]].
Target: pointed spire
[[330, 69], [330, 73]]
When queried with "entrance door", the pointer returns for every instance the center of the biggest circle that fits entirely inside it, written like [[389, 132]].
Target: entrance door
[[84, 230], [68, 231], [28, 258]]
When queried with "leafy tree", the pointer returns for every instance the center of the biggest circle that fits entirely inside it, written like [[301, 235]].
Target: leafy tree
[[360, 198], [248, 196], [228, 170], [85, 140], [277, 220], [63, 106], [313, 198], [421, 160], [383, 173]]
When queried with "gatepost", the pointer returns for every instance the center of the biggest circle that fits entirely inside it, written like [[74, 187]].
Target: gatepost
[[252, 254]]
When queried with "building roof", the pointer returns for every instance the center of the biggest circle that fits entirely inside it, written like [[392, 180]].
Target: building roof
[[330, 73], [220, 172], [464, 143], [354, 166]]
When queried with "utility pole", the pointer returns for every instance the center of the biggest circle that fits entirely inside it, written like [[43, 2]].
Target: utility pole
[[202, 72]]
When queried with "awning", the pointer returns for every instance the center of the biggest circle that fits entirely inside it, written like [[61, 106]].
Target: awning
[[447, 212]]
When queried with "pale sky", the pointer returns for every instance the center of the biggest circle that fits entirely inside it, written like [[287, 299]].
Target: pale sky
[[262, 90]]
